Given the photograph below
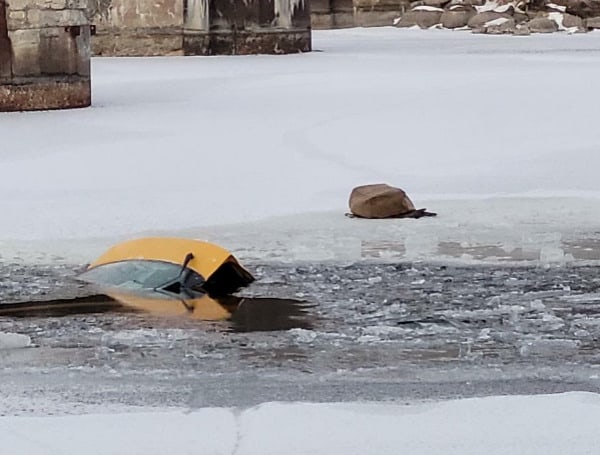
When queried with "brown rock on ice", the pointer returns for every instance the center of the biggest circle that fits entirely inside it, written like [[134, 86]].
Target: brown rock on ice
[[383, 201]]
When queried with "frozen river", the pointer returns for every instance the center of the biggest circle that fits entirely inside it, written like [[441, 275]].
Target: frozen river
[[497, 295], [368, 331]]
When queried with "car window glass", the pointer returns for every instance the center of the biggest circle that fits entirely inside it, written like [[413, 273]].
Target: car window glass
[[133, 274]]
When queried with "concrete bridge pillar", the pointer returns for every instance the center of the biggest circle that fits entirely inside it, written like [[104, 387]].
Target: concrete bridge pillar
[[44, 55], [246, 27], [200, 27], [196, 27], [332, 13]]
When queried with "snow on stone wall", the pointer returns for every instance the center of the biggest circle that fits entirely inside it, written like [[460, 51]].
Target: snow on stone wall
[[285, 9], [197, 16]]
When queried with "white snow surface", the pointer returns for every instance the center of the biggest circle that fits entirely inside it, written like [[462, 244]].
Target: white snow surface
[[427, 8], [496, 134], [559, 18], [189, 145], [497, 7], [545, 424], [562, 8], [499, 21]]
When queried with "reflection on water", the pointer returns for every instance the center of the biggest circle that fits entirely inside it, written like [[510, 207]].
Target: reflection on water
[[261, 314], [98, 303], [243, 314]]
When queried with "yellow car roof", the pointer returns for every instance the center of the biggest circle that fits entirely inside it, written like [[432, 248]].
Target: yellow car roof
[[208, 257]]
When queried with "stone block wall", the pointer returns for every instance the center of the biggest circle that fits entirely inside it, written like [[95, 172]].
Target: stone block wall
[[5, 45], [137, 27], [44, 54], [369, 13], [355, 13], [332, 13], [200, 27]]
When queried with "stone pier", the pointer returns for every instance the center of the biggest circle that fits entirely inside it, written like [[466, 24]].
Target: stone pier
[[248, 27], [332, 13], [44, 55], [356, 13], [200, 27]]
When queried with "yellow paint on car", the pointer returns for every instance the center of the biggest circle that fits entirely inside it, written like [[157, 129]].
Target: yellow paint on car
[[207, 259]]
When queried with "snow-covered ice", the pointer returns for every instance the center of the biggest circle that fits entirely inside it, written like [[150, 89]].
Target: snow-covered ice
[[495, 133], [478, 128], [550, 425]]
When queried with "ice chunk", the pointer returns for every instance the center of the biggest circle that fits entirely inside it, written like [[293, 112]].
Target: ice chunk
[[547, 347], [303, 335], [553, 255], [14, 341]]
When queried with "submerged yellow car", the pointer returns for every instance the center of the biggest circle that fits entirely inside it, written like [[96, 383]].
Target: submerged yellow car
[[170, 266], [171, 277]]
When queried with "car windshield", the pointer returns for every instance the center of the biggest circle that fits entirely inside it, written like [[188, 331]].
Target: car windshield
[[133, 274]]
